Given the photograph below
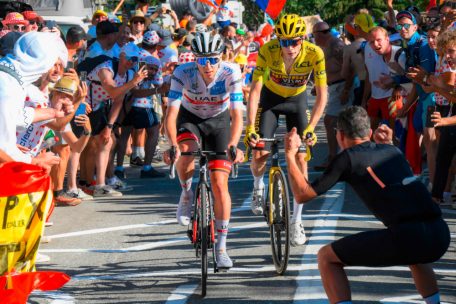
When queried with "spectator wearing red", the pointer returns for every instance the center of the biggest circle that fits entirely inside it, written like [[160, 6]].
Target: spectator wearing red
[[15, 22], [35, 21]]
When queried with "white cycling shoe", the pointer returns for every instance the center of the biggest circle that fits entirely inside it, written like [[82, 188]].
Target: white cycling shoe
[[223, 260], [297, 234], [184, 209]]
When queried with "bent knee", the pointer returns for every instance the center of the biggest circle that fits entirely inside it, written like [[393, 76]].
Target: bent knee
[[326, 255]]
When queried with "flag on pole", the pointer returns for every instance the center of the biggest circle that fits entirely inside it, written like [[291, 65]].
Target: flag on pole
[[271, 7]]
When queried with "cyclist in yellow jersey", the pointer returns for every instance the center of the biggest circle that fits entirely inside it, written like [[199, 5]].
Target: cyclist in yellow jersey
[[284, 66]]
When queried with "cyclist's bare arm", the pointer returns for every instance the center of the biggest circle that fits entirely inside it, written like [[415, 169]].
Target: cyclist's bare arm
[[170, 125], [320, 104], [254, 98], [236, 126], [301, 188]]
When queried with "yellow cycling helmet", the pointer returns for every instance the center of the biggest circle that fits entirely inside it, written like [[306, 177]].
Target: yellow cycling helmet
[[290, 26]]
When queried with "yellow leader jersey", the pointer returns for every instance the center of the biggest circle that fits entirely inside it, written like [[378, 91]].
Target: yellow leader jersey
[[271, 68]]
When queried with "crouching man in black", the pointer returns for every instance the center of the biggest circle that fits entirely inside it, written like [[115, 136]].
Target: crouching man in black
[[415, 233]]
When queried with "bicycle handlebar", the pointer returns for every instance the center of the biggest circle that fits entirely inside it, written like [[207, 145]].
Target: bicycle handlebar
[[172, 156]]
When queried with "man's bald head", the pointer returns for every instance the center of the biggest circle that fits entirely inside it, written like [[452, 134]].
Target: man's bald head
[[320, 27]]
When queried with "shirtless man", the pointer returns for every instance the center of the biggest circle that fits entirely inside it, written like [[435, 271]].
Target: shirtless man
[[340, 93]]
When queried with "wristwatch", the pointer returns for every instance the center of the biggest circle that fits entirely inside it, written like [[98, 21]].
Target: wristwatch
[[86, 133], [110, 126]]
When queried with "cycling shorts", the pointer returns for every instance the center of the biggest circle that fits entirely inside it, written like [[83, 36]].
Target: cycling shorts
[[141, 118], [213, 133], [407, 243], [272, 105]]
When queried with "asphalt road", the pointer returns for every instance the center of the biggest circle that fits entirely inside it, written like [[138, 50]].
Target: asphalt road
[[131, 250]]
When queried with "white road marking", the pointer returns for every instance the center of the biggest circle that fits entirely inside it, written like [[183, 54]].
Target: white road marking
[[109, 229], [181, 294], [57, 297], [309, 283]]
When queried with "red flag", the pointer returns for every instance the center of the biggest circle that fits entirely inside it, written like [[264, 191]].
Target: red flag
[[24, 283]]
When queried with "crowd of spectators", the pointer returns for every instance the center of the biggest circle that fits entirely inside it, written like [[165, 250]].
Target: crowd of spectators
[[402, 70]]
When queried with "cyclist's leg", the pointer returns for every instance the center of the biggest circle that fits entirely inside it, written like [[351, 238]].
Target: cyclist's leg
[[188, 136], [266, 122], [216, 137], [296, 116]]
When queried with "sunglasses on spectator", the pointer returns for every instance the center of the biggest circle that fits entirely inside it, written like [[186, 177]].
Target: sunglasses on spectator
[[138, 21], [400, 26], [289, 42], [132, 58], [18, 27], [204, 60]]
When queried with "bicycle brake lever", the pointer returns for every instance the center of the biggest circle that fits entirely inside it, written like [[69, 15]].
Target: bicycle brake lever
[[309, 149], [172, 168], [233, 153]]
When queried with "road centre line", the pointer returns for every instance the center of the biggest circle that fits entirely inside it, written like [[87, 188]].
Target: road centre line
[[181, 294], [309, 285]]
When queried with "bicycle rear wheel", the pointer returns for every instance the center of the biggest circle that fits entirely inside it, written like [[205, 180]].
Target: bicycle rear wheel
[[204, 232], [279, 228]]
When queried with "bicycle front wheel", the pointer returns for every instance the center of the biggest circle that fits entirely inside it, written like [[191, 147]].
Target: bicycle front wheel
[[204, 232], [279, 228]]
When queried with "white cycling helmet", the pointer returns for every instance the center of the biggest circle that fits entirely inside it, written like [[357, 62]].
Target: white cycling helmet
[[206, 44]]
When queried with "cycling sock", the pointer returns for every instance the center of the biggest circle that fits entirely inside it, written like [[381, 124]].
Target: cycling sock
[[119, 168], [146, 167], [446, 196], [141, 152], [135, 152], [344, 302], [433, 299], [297, 212], [186, 185], [222, 233], [258, 182]]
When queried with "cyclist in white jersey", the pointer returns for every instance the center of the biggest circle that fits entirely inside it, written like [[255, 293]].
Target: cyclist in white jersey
[[205, 106]]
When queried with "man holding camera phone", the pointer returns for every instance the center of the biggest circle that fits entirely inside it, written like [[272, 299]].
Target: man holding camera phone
[[165, 17]]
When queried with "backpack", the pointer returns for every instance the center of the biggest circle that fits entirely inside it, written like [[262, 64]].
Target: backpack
[[90, 63], [414, 60]]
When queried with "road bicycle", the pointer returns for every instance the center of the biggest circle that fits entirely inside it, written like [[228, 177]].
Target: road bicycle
[[202, 225], [276, 206]]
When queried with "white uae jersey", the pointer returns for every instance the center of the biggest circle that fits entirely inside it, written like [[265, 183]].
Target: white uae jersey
[[189, 90]]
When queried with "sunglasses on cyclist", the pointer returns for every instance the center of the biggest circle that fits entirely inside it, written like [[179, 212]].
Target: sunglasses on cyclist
[[132, 58], [400, 26], [289, 42], [138, 21], [204, 60]]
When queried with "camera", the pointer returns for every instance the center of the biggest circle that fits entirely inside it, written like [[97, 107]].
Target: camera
[[168, 11]]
